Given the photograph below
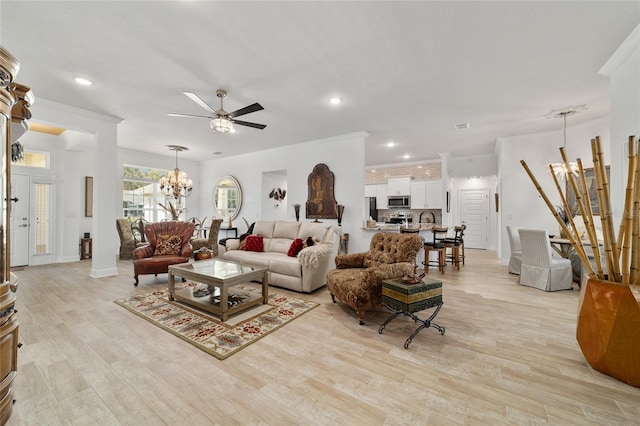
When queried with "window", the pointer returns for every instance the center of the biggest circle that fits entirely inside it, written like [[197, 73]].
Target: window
[[43, 218], [141, 195], [31, 158]]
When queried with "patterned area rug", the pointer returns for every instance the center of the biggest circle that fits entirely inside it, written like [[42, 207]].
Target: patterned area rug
[[207, 332]]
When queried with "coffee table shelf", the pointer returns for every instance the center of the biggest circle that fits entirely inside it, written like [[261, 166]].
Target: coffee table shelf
[[223, 275]]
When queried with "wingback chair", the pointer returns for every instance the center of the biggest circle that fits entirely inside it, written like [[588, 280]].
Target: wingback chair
[[168, 245], [127, 241], [515, 260], [540, 269], [357, 281], [211, 242]]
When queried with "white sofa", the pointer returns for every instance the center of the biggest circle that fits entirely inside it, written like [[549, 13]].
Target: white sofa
[[304, 273]]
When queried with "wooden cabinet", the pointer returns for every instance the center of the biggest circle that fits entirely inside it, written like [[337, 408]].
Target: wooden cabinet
[[370, 190], [426, 194], [381, 196], [8, 350], [399, 186]]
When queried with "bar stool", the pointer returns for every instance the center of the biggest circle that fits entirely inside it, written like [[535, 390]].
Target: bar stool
[[454, 244], [411, 230], [435, 246]]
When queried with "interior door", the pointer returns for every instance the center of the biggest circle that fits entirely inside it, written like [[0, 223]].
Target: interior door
[[474, 208], [20, 220]]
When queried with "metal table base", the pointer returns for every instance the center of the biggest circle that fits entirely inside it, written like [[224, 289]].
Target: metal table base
[[423, 323]]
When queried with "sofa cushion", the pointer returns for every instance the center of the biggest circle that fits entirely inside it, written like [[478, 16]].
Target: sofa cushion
[[314, 230], [168, 245], [264, 228], [282, 264], [295, 248], [278, 245], [287, 230], [254, 243], [250, 257]]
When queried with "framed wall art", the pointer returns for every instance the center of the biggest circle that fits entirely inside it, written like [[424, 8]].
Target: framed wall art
[[88, 196], [321, 201], [593, 192]]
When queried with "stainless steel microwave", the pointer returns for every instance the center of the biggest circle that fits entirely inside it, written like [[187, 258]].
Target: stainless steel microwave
[[399, 202]]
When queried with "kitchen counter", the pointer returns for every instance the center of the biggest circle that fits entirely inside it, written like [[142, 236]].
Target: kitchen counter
[[391, 227]]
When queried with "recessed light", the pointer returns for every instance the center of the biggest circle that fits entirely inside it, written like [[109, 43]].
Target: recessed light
[[406, 156], [335, 101], [390, 144], [83, 81]]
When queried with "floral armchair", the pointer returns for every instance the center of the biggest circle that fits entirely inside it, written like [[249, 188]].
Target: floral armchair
[[168, 245], [357, 281]]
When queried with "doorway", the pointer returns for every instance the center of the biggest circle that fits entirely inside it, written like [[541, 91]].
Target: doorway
[[19, 218], [474, 208]]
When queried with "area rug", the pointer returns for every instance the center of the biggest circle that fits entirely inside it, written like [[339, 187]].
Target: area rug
[[207, 332]]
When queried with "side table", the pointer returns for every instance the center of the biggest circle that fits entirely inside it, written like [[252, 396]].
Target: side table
[[410, 298]]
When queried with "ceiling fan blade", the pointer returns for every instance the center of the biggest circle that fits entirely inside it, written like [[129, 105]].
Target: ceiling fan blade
[[246, 110], [246, 123], [174, 114], [195, 98]]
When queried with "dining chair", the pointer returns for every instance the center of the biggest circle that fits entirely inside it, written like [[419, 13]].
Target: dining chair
[[540, 269], [515, 260]]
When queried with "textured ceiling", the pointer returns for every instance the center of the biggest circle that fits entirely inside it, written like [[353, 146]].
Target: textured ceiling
[[407, 71]]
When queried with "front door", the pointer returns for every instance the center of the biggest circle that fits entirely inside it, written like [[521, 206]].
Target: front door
[[19, 220], [474, 208]]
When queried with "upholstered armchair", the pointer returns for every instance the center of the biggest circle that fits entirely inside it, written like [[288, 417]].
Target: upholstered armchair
[[357, 281], [211, 242], [127, 241], [168, 245]]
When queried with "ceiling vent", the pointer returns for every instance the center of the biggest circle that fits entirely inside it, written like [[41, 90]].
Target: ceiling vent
[[462, 126]]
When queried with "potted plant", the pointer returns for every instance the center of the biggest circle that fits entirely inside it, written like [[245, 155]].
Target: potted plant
[[608, 326]]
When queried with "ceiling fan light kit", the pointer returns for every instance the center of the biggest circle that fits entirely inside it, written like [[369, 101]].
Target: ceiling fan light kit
[[221, 125], [221, 120]]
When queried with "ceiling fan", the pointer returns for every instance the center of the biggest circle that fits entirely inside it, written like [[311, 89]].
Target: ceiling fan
[[221, 120]]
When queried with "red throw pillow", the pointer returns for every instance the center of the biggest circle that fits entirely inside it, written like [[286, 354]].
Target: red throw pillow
[[254, 243], [295, 247]]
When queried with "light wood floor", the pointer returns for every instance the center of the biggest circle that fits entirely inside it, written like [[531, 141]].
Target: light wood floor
[[509, 356]]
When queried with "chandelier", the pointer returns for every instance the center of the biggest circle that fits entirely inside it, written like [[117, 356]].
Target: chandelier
[[559, 169], [176, 183]]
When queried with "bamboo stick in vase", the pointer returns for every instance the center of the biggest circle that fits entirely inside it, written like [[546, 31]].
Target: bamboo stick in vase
[[555, 214], [578, 246], [574, 185], [603, 213], [635, 240], [626, 224], [589, 221], [615, 252]]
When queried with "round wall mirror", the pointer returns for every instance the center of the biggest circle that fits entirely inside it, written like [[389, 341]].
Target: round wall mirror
[[227, 197]]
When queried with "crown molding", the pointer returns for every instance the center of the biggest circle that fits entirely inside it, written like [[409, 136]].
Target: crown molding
[[622, 53]]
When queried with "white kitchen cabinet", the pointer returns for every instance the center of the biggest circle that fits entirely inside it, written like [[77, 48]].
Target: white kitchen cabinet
[[434, 194], [381, 196], [399, 186], [370, 190], [418, 194], [426, 194]]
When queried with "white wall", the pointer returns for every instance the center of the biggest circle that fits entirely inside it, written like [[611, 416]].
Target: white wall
[[272, 209], [521, 205], [344, 155]]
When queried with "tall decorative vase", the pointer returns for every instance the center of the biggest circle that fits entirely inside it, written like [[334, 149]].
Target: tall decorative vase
[[608, 329]]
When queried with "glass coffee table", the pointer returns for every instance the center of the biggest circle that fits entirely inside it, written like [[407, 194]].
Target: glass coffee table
[[219, 276]]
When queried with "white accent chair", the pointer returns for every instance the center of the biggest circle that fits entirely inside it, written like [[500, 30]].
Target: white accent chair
[[540, 269], [515, 261]]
